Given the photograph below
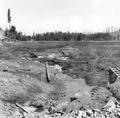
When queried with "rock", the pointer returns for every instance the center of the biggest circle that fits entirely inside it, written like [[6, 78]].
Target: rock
[[52, 55], [89, 112], [84, 114], [118, 106], [80, 94], [17, 114], [112, 115], [80, 113], [40, 56], [110, 106], [58, 68], [62, 58], [118, 114], [61, 106]]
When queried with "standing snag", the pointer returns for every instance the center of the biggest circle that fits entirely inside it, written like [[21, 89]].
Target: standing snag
[[9, 18]]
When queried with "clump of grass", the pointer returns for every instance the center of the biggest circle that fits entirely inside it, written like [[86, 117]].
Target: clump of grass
[[20, 98], [21, 94]]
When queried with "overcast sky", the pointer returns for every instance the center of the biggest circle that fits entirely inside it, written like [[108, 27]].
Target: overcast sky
[[61, 15]]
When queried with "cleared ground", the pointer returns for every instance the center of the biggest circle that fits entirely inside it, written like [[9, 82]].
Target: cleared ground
[[23, 77]]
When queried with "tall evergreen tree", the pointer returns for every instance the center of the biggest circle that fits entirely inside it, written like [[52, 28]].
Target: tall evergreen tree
[[9, 18]]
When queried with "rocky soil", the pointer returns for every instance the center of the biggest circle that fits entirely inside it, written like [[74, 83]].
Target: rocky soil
[[50, 83]]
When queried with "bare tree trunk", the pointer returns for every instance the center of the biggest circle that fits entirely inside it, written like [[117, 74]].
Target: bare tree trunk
[[9, 26]]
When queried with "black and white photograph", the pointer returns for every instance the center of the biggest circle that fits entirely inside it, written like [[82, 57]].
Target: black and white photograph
[[59, 58]]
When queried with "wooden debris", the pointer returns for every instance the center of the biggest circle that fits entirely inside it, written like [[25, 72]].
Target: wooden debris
[[47, 72], [32, 55], [18, 105]]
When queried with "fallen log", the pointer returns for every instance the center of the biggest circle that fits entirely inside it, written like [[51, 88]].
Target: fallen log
[[18, 105], [47, 72]]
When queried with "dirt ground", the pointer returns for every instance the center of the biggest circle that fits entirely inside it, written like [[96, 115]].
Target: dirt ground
[[74, 72]]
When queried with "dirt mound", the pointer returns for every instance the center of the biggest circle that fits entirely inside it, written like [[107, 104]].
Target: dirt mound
[[2, 34]]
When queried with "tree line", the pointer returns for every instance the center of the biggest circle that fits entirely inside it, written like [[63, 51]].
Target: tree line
[[12, 33], [57, 36], [67, 36]]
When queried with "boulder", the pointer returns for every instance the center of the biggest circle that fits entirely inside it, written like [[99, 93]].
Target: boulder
[[110, 106]]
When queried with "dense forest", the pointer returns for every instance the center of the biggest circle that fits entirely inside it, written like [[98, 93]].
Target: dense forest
[[56, 36]]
